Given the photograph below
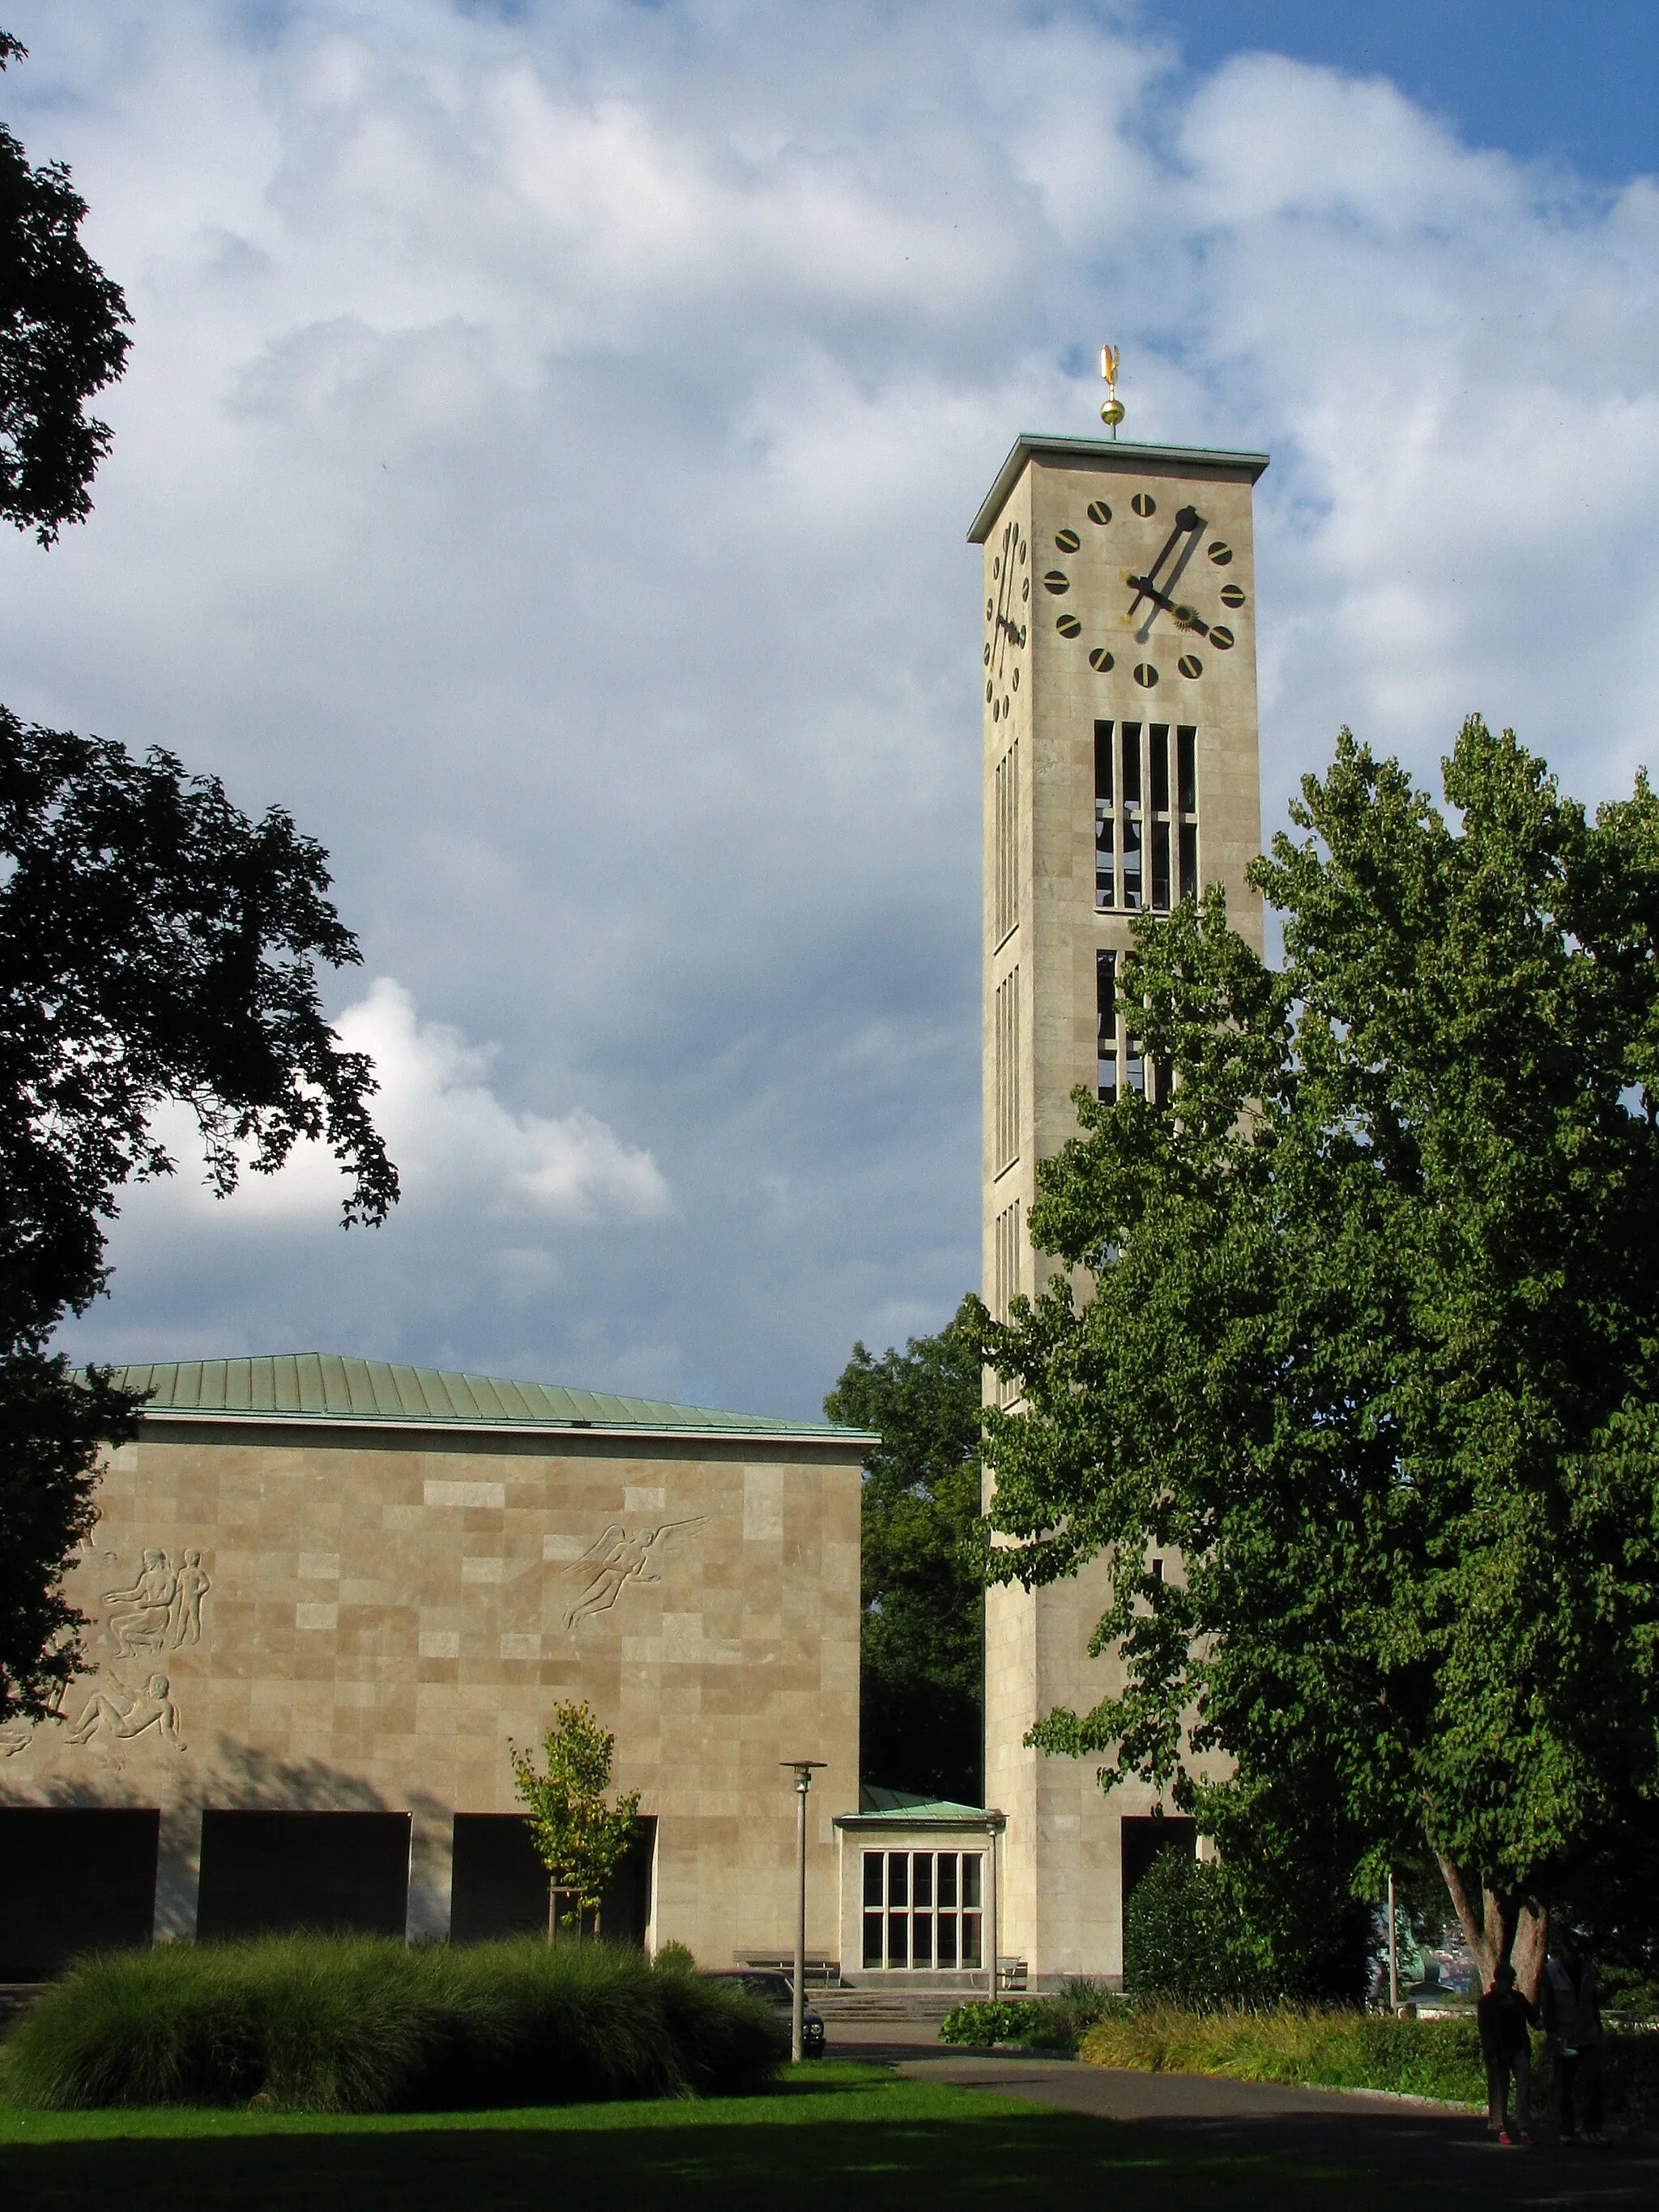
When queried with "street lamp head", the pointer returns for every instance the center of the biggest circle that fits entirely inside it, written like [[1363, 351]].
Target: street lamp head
[[803, 1771]]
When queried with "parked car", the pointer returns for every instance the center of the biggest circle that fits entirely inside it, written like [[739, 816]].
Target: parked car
[[778, 1990]]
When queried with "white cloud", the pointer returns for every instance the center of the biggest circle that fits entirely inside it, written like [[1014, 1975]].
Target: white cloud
[[543, 468], [459, 1150]]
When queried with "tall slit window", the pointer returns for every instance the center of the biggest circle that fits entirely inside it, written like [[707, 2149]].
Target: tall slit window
[[1186, 809], [1005, 894], [1105, 823], [1106, 1026], [1006, 1062], [923, 1910]]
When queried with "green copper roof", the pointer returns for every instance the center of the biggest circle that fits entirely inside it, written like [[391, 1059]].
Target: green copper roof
[[905, 1807], [316, 1386]]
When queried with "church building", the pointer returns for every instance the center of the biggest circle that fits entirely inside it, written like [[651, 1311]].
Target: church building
[[326, 1597]]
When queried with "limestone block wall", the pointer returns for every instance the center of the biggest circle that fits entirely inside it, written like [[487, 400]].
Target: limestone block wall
[[315, 1617]]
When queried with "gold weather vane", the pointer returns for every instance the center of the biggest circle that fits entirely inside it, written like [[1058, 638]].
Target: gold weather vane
[[1111, 410]]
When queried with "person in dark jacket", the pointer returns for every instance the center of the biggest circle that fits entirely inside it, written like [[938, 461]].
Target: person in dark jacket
[[1505, 2018], [1573, 2020]]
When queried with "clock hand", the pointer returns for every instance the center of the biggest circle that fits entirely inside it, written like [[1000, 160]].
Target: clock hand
[[1188, 519], [1186, 616]]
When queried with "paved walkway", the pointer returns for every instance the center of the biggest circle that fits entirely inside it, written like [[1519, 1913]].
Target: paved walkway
[[1415, 2143]]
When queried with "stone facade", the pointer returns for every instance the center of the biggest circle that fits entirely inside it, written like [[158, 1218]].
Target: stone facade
[[1075, 655], [300, 1614]]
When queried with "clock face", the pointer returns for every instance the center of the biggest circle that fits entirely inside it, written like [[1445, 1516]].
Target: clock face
[[1008, 618], [1168, 575]]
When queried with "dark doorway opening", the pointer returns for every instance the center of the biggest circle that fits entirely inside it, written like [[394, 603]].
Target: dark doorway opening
[[1142, 1841], [501, 1886], [71, 1881], [270, 1873]]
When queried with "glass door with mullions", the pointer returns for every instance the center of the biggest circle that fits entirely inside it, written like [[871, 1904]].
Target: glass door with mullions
[[923, 1910]]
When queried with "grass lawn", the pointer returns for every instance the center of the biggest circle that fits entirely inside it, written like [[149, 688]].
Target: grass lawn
[[833, 2136]]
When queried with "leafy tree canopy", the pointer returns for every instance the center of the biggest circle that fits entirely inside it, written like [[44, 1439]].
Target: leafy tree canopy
[[581, 1840], [155, 944], [1365, 1331], [922, 1637], [63, 337]]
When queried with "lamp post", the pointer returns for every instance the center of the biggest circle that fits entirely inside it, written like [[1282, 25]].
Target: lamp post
[[994, 1821], [803, 1770], [1393, 1950]]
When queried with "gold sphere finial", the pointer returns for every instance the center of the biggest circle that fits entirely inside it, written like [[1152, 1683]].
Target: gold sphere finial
[[1111, 410]]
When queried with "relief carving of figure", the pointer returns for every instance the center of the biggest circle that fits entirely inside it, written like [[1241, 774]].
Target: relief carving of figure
[[14, 1738], [193, 1585], [613, 1561], [129, 1714], [142, 1626]]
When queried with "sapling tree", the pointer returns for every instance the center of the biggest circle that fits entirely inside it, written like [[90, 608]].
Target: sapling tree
[[579, 1838], [1365, 1328]]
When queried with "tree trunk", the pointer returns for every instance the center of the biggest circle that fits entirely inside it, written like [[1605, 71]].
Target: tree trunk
[[1498, 1927]]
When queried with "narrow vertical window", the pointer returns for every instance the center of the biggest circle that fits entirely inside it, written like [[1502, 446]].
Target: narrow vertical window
[[1013, 833], [1134, 1064], [1103, 763], [1158, 740], [1131, 862], [1189, 860], [1006, 1025], [1187, 769], [1005, 896], [1161, 867], [1106, 1025], [1105, 828], [1131, 763]]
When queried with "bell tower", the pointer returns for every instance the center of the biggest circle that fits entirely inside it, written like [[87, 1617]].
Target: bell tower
[[1120, 775]]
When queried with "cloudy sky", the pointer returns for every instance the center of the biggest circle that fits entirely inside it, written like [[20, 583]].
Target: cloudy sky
[[544, 467]]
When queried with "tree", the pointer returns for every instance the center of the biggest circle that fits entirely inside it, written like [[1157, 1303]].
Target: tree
[[921, 1693], [1366, 1330], [156, 943], [63, 337], [579, 1838]]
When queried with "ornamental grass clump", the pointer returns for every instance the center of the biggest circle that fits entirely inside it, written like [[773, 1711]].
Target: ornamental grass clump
[[342, 2024]]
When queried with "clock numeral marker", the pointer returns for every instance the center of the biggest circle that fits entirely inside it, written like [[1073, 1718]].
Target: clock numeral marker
[[1067, 540], [1101, 659], [988, 656], [990, 609], [1025, 589], [1221, 636], [1056, 582], [1016, 679], [988, 689], [1221, 553], [1190, 664], [1145, 675], [1099, 511], [1069, 626], [1232, 595], [996, 710], [1144, 504]]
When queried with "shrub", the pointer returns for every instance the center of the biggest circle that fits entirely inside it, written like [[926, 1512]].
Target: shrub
[[1057, 2023], [1186, 1939], [341, 2024]]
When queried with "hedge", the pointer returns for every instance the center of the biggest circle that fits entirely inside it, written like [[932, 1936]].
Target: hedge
[[344, 2024], [1439, 2058]]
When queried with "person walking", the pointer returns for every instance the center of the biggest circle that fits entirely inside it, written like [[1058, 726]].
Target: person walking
[[1573, 2020], [1505, 2018]]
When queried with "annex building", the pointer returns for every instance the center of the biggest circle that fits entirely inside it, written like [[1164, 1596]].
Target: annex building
[[324, 1596]]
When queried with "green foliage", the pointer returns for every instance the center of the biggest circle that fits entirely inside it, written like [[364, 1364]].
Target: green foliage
[[1056, 2023], [155, 944], [346, 2024], [1334, 2050], [63, 336], [1187, 1939], [1369, 1342], [580, 1838], [674, 1958], [922, 1637]]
